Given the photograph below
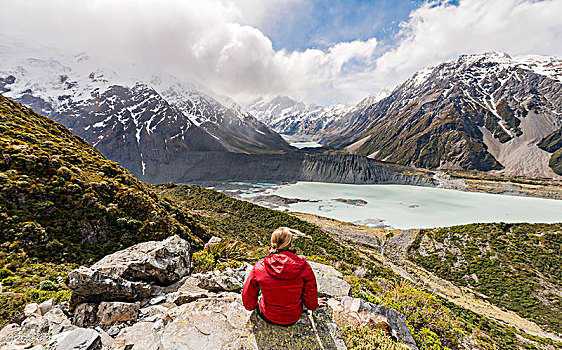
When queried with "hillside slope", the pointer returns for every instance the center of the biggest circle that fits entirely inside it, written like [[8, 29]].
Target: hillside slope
[[61, 200], [517, 266], [483, 112]]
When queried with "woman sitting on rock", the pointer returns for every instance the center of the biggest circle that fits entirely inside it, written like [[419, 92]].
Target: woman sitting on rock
[[286, 282]]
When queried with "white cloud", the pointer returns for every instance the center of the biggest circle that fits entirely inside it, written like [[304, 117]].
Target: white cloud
[[435, 33], [217, 42]]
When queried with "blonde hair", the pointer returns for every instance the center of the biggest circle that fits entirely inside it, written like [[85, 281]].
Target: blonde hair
[[282, 239]]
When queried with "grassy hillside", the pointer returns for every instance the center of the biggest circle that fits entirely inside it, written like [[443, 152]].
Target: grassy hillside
[[62, 203], [517, 266]]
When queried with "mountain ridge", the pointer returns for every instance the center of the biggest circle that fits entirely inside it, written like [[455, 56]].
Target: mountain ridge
[[482, 111]]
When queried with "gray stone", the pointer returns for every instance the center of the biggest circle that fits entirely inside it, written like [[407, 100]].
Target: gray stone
[[140, 336], [161, 262], [357, 312], [95, 286], [212, 241], [85, 315], [106, 339], [180, 298], [31, 309], [217, 283], [77, 339], [109, 312], [46, 306], [153, 310], [329, 280]]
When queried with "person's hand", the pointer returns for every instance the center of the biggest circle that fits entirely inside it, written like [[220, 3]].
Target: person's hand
[[322, 301]]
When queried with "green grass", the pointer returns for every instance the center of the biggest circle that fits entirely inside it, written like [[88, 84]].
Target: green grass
[[517, 266]]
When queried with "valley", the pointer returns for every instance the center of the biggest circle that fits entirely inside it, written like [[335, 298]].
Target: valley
[[441, 199]]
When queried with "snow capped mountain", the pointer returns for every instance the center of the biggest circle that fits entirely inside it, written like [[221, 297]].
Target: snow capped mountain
[[296, 119], [487, 111], [134, 116]]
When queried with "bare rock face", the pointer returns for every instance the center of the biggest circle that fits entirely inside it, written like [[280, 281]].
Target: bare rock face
[[92, 285], [357, 312], [162, 263], [329, 280]]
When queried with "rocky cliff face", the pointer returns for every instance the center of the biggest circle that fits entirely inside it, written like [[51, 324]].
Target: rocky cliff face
[[219, 166], [484, 112]]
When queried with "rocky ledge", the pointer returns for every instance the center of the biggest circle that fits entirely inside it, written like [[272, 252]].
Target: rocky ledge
[[144, 297]]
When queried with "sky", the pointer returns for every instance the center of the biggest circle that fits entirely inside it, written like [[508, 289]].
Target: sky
[[315, 51]]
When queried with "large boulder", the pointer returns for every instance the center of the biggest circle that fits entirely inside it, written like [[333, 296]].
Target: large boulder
[[91, 285], [357, 312], [110, 312], [159, 262], [330, 281], [221, 322]]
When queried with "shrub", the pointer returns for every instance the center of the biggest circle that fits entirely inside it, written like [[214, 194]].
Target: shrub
[[48, 286]]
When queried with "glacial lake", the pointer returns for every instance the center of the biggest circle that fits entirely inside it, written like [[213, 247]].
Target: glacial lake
[[405, 207], [307, 144]]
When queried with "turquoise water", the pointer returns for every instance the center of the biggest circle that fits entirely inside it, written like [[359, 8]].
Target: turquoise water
[[405, 207], [300, 145]]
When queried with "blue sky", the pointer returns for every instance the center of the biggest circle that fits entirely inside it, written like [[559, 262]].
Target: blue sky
[[322, 23]]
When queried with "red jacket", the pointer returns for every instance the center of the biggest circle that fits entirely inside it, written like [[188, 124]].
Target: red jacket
[[286, 282]]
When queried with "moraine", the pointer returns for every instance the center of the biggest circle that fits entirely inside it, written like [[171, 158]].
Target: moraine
[[405, 207]]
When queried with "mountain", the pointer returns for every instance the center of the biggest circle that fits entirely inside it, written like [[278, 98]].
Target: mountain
[[135, 117], [295, 119], [62, 200], [486, 112]]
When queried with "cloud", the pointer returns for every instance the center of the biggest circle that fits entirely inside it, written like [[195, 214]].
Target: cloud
[[438, 32], [218, 43]]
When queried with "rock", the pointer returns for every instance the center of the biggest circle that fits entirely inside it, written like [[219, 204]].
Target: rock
[[31, 309], [329, 280], [211, 323], [59, 322], [153, 310], [95, 286], [9, 328], [85, 315], [106, 339], [46, 306], [314, 331], [160, 262], [35, 330], [139, 336], [357, 312], [109, 312], [157, 300], [180, 298], [212, 241], [77, 339], [219, 283]]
